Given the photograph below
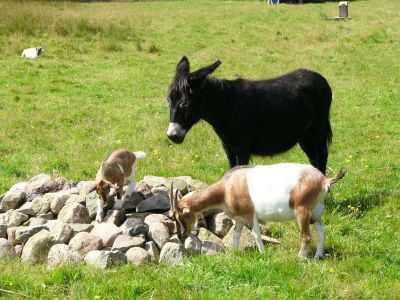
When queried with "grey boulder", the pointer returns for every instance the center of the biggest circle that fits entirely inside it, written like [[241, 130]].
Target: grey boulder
[[61, 254], [105, 259]]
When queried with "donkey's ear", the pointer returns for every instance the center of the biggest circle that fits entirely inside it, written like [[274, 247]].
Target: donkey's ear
[[183, 68], [203, 72]]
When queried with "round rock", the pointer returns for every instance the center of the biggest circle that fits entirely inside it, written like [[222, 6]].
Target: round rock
[[159, 233], [85, 242], [123, 243], [138, 256], [108, 232], [105, 259], [37, 247], [6, 249], [172, 252], [61, 254], [74, 213]]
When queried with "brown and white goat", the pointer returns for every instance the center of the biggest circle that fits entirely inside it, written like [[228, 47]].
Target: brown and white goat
[[277, 193], [117, 170]]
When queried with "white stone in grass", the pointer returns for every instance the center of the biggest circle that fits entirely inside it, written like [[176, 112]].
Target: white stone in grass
[[105, 259], [61, 254], [138, 256]]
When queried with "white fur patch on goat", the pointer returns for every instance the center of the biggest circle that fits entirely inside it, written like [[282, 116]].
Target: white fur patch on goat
[[270, 188]]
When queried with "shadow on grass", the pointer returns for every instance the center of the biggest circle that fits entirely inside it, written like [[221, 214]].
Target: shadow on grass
[[356, 205]]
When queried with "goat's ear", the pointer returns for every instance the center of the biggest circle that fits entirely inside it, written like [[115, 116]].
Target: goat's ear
[[185, 210], [204, 72], [183, 68]]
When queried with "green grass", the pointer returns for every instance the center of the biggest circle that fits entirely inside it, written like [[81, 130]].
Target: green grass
[[102, 84]]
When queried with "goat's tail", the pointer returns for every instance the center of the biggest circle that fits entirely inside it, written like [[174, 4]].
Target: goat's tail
[[140, 154], [331, 181]]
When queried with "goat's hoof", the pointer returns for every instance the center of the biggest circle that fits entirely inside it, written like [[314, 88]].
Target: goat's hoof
[[302, 256], [319, 257]]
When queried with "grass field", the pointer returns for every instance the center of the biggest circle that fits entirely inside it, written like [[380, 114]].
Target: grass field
[[102, 84]]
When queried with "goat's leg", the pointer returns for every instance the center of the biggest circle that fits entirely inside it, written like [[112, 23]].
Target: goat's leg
[[320, 229], [118, 201], [257, 234], [303, 217], [100, 210], [131, 187], [236, 234]]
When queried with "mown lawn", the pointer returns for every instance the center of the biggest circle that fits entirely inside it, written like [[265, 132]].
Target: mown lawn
[[102, 84]]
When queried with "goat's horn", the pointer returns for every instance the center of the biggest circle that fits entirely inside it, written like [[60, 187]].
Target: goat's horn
[[171, 196], [176, 199]]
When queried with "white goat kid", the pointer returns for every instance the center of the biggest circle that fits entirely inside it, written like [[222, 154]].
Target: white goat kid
[[277, 193], [117, 170], [32, 52]]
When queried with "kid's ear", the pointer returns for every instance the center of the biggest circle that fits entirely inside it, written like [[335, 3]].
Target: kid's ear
[[204, 72], [185, 210], [101, 184]]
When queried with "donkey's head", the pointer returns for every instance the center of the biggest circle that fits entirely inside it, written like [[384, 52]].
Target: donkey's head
[[184, 98]]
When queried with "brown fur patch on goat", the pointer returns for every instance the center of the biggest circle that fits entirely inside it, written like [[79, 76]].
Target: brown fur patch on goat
[[307, 191], [238, 201]]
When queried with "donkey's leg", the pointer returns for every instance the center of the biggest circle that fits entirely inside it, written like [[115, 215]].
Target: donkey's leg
[[320, 137], [243, 157], [230, 153], [308, 147]]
